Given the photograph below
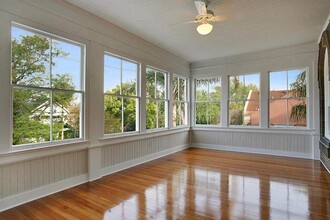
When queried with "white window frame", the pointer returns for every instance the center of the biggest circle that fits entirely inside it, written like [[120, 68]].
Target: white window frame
[[51, 90], [137, 96], [185, 102], [243, 100], [207, 101], [155, 99], [287, 126]]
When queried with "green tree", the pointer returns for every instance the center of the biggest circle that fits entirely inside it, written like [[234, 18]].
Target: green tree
[[298, 90], [208, 95], [118, 110]]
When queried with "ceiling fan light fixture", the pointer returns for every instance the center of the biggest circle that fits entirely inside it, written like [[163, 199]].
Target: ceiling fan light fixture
[[204, 28]]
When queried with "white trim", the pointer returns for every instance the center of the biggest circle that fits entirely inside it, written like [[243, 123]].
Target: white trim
[[40, 192], [138, 136], [254, 150], [35, 153], [255, 130], [325, 166], [141, 160]]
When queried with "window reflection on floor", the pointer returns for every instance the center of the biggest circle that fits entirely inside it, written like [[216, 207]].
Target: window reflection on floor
[[179, 190], [207, 184], [288, 200], [244, 196], [156, 199], [128, 209]]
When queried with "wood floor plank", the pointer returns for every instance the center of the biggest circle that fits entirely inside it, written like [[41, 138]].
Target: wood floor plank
[[195, 184]]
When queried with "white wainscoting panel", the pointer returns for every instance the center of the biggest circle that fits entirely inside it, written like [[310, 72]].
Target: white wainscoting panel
[[123, 153], [281, 144], [25, 176]]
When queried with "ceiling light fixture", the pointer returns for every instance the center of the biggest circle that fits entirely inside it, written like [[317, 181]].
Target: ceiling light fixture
[[204, 28]]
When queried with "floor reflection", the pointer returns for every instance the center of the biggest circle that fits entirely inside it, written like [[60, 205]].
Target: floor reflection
[[229, 192]]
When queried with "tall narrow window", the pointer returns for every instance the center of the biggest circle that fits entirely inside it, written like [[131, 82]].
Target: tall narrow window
[[156, 100], [287, 98], [180, 104], [244, 100], [47, 87], [120, 95], [208, 100]]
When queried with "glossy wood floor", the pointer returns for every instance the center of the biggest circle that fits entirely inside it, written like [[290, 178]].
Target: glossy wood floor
[[195, 184]]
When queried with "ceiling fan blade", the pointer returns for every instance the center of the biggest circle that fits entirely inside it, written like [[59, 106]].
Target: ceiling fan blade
[[201, 7], [220, 18]]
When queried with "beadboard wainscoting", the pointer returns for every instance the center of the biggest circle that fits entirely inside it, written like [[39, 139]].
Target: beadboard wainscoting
[[28, 180], [280, 143], [123, 155]]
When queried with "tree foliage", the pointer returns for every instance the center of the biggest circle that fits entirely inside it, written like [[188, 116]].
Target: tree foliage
[[298, 90]]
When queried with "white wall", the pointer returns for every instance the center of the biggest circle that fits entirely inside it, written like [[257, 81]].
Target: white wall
[[264, 140], [31, 173]]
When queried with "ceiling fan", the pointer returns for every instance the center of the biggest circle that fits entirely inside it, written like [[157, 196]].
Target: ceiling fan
[[204, 17]]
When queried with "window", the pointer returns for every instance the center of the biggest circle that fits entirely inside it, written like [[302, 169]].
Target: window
[[120, 95], [287, 98], [156, 100], [180, 104], [208, 99], [47, 87], [244, 100]]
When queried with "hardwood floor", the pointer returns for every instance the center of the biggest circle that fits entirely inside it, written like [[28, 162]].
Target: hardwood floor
[[195, 184]]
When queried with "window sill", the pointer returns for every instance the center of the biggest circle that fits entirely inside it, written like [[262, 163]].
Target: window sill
[[117, 139], [255, 130], [29, 152]]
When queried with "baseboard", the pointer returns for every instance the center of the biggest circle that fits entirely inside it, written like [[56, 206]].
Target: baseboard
[[141, 160], [40, 192], [254, 150]]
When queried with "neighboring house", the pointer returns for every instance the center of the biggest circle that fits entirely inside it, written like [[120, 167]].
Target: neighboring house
[[43, 113], [277, 109]]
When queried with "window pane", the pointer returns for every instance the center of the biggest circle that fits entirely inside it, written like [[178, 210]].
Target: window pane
[[66, 65], [201, 113], [182, 89], [112, 71], [130, 114], [297, 112], [236, 110], [176, 112], [214, 113], [30, 58], [201, 90], [31, 116], [161, 92], [112, 115], [278, 84], [151, 110], [161, 114], [297, 83], [252, 82], [182, 110], [129, 79], [278, 112], [214, 90], [66, 115], [237, 89], [150, 84], [175, 92], [251, 113]]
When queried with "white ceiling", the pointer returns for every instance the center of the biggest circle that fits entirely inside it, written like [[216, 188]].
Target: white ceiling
[[252, 25]]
